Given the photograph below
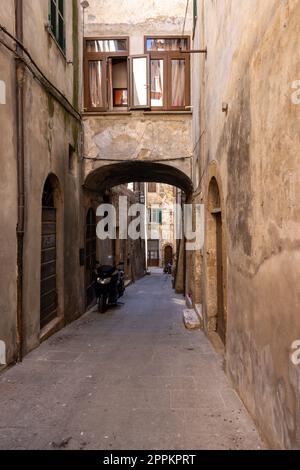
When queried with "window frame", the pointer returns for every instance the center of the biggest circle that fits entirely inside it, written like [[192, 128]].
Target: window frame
[[105, 57], [130, 79], [167, 57], [58, 14], [155, 215], [151, 188]]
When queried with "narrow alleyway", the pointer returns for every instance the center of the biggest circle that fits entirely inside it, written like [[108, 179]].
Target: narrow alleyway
[[133, 378]]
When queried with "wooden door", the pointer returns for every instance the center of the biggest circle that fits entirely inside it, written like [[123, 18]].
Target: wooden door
[[153, 253], [168, 255], [48, 292]]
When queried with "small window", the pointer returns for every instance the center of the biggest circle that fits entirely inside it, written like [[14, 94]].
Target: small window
[[155, 216], [106, 45], [57, 22], [166, 44]]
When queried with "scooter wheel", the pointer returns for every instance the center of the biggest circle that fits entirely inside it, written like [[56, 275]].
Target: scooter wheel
[[102, 304]]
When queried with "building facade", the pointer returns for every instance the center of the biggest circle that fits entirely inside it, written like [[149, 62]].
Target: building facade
[[161, 230], [246, 169], [137, 117], [40, 149]]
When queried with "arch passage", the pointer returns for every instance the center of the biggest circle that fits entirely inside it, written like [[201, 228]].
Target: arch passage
[[107, 176], [48, 291]]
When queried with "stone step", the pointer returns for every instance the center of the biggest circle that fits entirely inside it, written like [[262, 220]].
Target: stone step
[[191, 319]]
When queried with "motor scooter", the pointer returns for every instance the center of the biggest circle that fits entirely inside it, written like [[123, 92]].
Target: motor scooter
[[109, 285], [168, 269]]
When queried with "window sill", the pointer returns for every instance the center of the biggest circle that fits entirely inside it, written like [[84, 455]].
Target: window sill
[[48, 28], [129, 113], [167, 112], [107, 113]]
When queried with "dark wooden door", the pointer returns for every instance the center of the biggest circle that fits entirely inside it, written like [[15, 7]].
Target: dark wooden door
[[153, 253], [221, 325], [168, 255], [90, 253], [49, 302]]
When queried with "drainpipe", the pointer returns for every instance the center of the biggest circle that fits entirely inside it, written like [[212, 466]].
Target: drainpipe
[[20, 174]]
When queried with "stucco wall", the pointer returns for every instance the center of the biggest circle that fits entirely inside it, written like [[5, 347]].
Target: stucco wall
[[47, 151], [44, 49], [253, 59], [8, 194], [129, 17]]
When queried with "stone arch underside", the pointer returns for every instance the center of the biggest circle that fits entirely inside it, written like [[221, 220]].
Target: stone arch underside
[[108, 176]]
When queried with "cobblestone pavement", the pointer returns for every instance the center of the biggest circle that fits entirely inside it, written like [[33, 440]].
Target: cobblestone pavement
[[133, 378]]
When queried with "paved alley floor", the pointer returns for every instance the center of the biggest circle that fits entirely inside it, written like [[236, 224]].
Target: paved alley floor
[[133, 378]]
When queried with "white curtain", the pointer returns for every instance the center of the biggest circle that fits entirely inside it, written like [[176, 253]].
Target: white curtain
[[178, 82], [95, 82], [157, 82]]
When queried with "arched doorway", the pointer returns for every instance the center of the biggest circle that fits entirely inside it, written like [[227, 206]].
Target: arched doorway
[[215, 265], [90, 255], [48, 290], [168, 255]]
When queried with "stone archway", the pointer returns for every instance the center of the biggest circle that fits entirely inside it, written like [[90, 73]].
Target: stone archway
[[215, 269], [105, 177]]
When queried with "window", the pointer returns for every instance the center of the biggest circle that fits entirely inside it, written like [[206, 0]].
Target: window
[[158, 79], [155, 216], [57, 22], [169, 71], [106, 74], [152, 187]]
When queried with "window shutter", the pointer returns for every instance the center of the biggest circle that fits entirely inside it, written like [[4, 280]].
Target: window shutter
[[160, 217]]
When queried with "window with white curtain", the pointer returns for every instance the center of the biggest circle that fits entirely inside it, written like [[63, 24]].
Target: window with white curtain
[[158, 80]]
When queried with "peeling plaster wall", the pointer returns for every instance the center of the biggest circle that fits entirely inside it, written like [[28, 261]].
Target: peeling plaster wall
[[8, 195], [138, 137], [253, 59]]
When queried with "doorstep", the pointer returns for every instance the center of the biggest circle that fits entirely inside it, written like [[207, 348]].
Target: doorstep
[[191, 320]]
